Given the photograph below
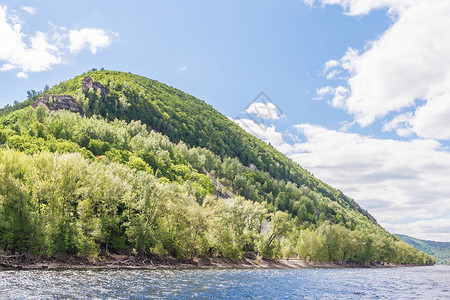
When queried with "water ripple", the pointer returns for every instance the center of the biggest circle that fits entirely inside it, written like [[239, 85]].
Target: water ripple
[[398, 283]]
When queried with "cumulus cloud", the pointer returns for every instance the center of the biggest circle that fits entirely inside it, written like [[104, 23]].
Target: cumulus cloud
[[29, 9], [40, 52], [401, 124], [405, 75], [433, 118], [330, 69], [407, 63], [403, 184], [266, 133], [39, 56], [346, 125], [399, 182], [363, 7], [331, 64], [266, 110], [323, 91], [339, 95], [333, 74], [92, 38], [22, 75]]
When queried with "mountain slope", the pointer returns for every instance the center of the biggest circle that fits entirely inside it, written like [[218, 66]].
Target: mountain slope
[[183, 117], [440, 250], [111, 161]]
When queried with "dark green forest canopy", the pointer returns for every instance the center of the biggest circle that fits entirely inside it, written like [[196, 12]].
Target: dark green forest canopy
[[152, 169]]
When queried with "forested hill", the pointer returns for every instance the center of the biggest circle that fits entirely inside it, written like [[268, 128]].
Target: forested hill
[[183, 117], [440, 250], [114, 162]]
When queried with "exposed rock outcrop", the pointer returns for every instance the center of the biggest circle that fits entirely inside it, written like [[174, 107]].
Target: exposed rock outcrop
[[88, 83], [67, 102], [57, 102]]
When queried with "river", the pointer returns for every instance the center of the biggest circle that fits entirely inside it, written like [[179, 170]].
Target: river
[[393, 283]]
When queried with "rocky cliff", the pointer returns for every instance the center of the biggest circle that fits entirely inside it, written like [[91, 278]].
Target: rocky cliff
[[67, 102], [87, 83], [57, 102]]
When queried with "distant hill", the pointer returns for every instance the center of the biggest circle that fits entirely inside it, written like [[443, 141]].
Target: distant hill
[[440, 250]]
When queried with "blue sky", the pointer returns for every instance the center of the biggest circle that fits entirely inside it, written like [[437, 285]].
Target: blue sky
[[362, 85]]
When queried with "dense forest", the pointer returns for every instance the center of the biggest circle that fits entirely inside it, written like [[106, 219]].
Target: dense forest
[[150, 170], [439, 250]]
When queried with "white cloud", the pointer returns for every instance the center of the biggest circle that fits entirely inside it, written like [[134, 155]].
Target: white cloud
[[331, 64], [266, 133], [330, 70], [264, 110], [346, 125], [92, 38], [42, 52], [399, 182], [29, 9], [363, 7], [183, 69], [22, 75], [401, 124], [407, 63], [339, 95], [333, 74], [403, 184], [37, 57], [433, 118], [7, 67], [323, 91], [405, 74], [40, 57]]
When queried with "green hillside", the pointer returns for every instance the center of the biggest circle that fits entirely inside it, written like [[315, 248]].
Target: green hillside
[[440, 250], [137, 166], [182, 117]]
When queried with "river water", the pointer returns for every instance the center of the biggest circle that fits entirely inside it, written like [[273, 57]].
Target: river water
[[396, 283]]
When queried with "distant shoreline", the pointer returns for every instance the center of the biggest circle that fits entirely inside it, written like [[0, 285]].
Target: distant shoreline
[[131, 262]]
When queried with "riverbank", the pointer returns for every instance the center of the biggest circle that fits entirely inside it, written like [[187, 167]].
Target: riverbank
[[114, 261]]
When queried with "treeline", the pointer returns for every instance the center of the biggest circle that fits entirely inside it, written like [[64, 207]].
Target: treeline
[[32, 95], [121, 187], [64, 204]]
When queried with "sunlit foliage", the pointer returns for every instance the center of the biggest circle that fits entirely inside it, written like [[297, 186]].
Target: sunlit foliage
[[73, 185]]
